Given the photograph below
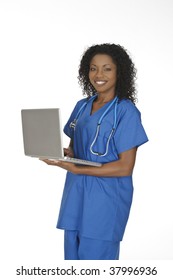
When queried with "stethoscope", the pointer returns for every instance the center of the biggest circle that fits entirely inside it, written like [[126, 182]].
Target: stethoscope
[[74, 122]]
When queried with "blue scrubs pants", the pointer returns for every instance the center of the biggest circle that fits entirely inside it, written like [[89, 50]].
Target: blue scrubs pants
[[77, 247]]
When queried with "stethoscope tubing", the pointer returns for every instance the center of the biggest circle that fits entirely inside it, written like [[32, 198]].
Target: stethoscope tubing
[[74, 122], [115, 101]]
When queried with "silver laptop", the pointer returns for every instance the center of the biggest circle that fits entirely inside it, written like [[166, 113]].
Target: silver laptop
[[42, 135]]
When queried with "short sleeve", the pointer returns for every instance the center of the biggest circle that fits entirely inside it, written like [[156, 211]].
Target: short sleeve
[[129, 132], [67, 129]]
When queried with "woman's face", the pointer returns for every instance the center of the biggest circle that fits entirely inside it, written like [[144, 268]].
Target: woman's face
[[103, 74]]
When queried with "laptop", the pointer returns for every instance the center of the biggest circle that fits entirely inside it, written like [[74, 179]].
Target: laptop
[[42, 135]]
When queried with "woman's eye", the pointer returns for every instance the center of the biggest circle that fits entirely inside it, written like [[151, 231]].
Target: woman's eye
[[92, 69], [107, 69]]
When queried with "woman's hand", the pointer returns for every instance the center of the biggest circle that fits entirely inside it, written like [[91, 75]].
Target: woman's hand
[[71, 167], [63, 164], [68, 152]]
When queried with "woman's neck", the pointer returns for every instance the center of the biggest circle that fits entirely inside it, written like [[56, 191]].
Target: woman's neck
[[104, 98]]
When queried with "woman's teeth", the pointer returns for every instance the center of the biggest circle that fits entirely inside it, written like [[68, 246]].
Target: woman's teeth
[[100, 82]]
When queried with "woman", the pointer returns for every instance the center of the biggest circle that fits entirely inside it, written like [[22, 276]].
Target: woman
[[96, 200]]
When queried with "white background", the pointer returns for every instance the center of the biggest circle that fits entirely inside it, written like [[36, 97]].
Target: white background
[[41, 43]]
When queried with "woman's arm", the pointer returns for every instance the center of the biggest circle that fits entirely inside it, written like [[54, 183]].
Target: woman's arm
[[122, 167]]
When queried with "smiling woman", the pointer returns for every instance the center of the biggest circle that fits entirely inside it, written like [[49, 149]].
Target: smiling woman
[[96, 201]]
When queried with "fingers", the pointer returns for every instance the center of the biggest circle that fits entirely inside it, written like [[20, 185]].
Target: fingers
[[51, 161], [68, 152], [65, 165]]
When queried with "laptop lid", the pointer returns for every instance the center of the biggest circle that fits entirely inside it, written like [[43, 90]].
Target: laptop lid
[[42, 134]]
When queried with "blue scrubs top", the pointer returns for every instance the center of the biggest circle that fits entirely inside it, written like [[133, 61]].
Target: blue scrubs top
[[98, 207]]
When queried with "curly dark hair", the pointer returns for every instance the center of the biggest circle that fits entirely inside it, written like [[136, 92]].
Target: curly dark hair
[[126, 71]]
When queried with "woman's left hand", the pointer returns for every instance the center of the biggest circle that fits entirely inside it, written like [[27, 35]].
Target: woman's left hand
[[71, 167]]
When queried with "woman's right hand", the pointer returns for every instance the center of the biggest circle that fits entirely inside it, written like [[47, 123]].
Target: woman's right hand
[[68, 152]]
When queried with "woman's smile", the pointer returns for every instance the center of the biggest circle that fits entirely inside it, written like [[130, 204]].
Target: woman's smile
[[100, 82]]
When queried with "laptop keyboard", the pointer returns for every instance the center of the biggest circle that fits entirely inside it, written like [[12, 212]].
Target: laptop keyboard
[[82, 161]]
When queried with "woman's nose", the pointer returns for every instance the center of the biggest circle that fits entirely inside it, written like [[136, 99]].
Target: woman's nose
[[99, 73]]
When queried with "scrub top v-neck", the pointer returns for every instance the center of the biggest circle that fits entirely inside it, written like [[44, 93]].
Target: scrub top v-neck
[[98, 207]]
